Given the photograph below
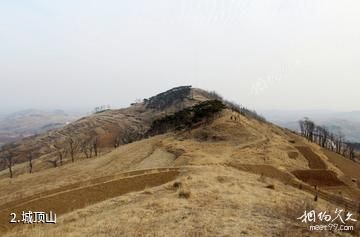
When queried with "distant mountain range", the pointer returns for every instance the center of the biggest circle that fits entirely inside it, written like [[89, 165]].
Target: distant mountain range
[[28, 122], [346, 122]]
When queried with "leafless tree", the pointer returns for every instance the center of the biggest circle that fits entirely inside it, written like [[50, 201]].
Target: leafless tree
[[87, 148], [302, 127], [339, 141], [351, 148], [95, 145], [322, 135], [325, 136], [344, 149], [10, 164], [30, 158], [61, 153], [73, 146], [307, 128], [332, 141], [8, 159], [7, 155]]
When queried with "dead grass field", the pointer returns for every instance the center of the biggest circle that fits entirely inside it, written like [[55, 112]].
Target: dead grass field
[[239, 185], [70, 198]]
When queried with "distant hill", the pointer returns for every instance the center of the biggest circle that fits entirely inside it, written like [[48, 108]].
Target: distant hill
[[346, 122], [29, 122]]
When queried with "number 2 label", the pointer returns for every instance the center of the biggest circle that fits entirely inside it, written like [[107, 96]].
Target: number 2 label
[[13, 219]]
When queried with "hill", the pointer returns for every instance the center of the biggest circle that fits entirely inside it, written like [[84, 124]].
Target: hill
[[24, 123], [195, 165], [105, 129]]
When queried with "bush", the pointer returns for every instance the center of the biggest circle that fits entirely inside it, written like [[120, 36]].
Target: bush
[[186, 118], [167, 98]]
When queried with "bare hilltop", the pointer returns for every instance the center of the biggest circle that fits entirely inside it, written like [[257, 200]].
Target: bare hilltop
[[185, 162]]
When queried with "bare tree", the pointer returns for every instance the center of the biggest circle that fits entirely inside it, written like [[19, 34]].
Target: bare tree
[[351, 148], [344, 149], [332, 141], [73, 146], [326, 139], [302, 127], [87, 148], [322, 135], [61, 153], [30, 158], [95, 145], [10, 164], [325, 136], [307, 128], [339, 141], [7, 157]]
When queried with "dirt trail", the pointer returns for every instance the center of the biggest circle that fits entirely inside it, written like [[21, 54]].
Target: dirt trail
[[288, 179], [69, 198], [318, 174], [82, 184], [318, 177], [315, 161]]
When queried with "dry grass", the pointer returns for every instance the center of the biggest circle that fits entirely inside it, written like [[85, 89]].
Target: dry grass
[[240, 205], [208, 199]]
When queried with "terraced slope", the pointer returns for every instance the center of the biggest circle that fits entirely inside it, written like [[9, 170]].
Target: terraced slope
[[79, 195], [126, 125]]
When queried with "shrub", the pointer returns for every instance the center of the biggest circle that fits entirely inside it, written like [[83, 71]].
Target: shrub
[[186, 118]]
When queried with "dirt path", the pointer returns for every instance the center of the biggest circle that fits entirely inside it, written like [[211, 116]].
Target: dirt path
[[319, 178], [72, 197], [315, 161], [288, 179]]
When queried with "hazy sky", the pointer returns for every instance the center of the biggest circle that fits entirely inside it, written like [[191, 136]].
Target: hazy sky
[[266, 54]]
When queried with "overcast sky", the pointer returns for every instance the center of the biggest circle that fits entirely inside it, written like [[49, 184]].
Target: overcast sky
[[266, 54]]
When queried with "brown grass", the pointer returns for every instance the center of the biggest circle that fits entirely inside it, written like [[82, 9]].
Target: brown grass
[[218, 192]]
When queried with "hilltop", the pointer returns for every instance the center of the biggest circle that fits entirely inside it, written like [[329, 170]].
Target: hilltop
[[182, 163]]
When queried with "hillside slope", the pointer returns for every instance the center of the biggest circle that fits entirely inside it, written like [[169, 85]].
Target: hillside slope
[[198, 169], [231, 176], [108, 127]]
